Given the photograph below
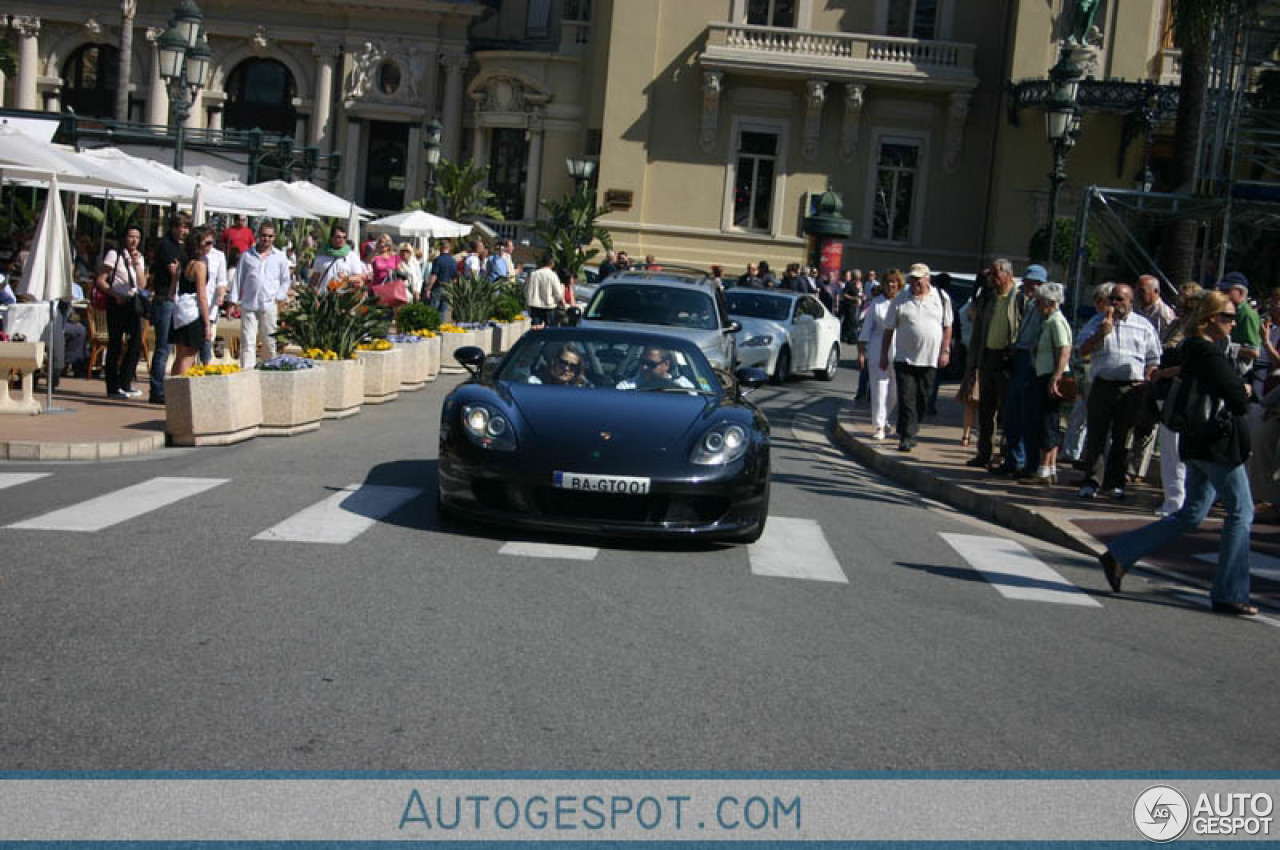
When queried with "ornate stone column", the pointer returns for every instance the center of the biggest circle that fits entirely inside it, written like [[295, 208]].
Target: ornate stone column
[[414, 163], [28, 30], [350, 160], [3, 82], [480, 145], [815, 95], [157, 94], [322, 103], [712, 82], [451, 140], [533, 170], [853, 100]]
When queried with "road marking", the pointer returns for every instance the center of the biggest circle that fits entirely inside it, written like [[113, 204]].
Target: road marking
[[1015, 572], [106, 511], [342, 517], [13, 479], [1263, 566], [795, 548], [525, 549], [1203, 602]]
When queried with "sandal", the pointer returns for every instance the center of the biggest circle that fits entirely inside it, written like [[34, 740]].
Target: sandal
[[965, 440], [1238, 609]]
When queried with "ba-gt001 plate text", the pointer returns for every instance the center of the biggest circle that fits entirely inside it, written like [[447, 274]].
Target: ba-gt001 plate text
[[623, 484]]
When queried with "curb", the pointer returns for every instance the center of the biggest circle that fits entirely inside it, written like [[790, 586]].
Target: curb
[[26, 450]]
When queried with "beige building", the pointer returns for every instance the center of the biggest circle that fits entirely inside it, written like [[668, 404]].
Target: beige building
[[715, 123]]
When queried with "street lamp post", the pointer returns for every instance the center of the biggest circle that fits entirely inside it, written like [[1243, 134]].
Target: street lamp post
[[1062, 126], [432, 146], [581, 170], [184, 64]]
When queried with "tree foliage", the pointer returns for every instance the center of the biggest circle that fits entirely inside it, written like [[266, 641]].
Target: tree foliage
[[571, 226], [459, 193], [337, 318]]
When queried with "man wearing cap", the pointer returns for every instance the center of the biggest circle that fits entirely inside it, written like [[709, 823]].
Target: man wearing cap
[[1126, 353], [991, 352], [1021, 412], [1248, 330], [920, 320]]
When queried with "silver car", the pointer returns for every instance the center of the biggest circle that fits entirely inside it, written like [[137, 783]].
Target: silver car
[[670, 302]]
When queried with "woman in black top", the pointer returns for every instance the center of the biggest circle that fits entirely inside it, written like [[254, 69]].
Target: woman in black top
[[194, 276], [1215, 467]]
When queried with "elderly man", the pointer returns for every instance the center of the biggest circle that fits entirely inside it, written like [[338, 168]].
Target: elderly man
[[1151, 307], [919, 319], [1021, 412], [1248, 330], [1126, 353], [990, 353], [262, 279], [751, 277]]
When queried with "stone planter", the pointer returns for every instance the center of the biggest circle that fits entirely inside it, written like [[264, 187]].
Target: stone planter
[[449, 343], [415, 362], [343, 387], [292, 402], [214, 410], [381, 375], [24, 357], [433, 357]]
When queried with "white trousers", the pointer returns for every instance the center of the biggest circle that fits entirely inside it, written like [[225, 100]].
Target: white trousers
[[884, 392], [1173, 472], [252, 321]]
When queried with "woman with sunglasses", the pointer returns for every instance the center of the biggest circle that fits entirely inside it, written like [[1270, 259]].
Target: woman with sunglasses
[[190, 338], [1215, 467], [564, 368]]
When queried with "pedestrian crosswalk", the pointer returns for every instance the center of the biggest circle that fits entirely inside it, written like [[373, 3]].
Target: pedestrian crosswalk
[[792, 549]]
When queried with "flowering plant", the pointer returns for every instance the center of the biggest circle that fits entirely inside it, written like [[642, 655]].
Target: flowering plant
[[320, 354], [424, 334], [405, 339], [451, 329], [335, 318], [285, 363], [375, 345], [202, 371]]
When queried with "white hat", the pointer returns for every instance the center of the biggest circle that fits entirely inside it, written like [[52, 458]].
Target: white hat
[[919, 270]]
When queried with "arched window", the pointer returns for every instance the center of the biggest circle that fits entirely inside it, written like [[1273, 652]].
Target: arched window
[[260, 93], [89, 80]]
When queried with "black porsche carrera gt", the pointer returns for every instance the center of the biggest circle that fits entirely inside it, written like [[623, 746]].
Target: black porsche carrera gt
[[609, 432]]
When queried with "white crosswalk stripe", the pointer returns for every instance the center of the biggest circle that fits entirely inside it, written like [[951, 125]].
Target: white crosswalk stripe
[[1260, 565], [795, 548], [1015, 572], [342, 517], [526, 549], [128, 503], [13, 479]]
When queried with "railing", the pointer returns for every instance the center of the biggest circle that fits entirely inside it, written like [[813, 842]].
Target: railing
[[880, 49]]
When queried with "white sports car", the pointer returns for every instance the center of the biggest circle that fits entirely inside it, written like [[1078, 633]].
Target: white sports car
[[785, 332]]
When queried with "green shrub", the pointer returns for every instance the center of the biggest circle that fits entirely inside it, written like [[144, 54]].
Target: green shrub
[[470, 299], [336, 319], [507, 307], [417, 317]]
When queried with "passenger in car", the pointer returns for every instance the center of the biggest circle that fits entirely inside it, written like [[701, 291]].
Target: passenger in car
[[563, 367], [656, 372]]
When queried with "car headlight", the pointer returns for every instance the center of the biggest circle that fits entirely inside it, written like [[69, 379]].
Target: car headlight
[[487, 427], [723, 443], [761, 341]]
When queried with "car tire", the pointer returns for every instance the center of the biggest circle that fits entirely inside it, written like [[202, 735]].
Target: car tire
[[833, 364], [782, 367]]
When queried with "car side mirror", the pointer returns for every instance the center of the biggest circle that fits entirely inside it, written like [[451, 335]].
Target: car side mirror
[[470, 356], [751, 377], [574, 315], [733, 327]]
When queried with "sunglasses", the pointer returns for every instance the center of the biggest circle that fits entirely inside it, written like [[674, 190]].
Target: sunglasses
[[651, 364], [206, 244], [568, 364], [1117, 298], [1230, 317]]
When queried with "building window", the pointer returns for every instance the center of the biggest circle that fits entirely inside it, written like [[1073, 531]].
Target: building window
[[508, 167], [260, 93], [389, 78], [913, 18], [897, 175], [577, 10], [754, 178], [537, 22], [772, 13], [385, 167], [89, 80]]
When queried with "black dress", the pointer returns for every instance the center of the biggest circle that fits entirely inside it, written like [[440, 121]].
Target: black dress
[[191, 335]]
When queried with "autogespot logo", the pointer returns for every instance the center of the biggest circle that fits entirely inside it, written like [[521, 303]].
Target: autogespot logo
[[1161, 813]]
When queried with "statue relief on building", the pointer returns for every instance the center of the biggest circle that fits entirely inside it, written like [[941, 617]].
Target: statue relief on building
[[508, 94], [393, 72]]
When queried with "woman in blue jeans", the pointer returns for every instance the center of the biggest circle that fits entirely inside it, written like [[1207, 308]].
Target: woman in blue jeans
[[1215, 468]]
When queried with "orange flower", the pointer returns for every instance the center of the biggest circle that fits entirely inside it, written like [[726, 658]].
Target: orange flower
[[335, 285], [364, 311]]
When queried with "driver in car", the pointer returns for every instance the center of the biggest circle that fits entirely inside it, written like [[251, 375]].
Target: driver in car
[[655, 373], [563, 368]]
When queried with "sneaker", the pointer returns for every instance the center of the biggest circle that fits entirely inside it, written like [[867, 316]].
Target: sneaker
[[119, 394], [904, 446], [977, 462], [877, 434], [1116, 493], [1088, 491], [155, 400], [132, 393]]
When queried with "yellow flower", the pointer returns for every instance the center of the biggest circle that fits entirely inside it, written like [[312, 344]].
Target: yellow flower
[[202, 371], [376, 345], [320, 354]]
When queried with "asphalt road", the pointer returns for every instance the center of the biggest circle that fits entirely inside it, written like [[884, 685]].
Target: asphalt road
[[176, 640]]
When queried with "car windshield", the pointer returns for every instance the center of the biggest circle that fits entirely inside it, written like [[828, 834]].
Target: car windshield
[[757, 305], [585, 361], [654, 305]]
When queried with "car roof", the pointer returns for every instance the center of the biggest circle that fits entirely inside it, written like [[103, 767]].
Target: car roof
[[789, 294], [611, 334], [667, 278]]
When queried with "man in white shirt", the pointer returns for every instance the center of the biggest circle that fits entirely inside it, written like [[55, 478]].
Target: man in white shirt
[[336, 261], [262, 279], [543, 293], [216, 290], [919, 320]]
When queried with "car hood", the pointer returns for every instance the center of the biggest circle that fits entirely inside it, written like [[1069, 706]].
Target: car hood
[[630, 428], [753, 326]]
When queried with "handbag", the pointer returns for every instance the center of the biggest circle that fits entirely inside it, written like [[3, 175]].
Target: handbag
[[1069, 388], [391, 292], [186, 309], [1191, 411]]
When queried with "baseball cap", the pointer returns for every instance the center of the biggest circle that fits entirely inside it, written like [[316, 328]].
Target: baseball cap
[[1233, 279], [919, 270], [1037, 273]]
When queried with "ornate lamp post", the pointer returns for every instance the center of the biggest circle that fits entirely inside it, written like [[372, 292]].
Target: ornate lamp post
[[1062, 126], [581, 170], [432, 146], [184, 64]]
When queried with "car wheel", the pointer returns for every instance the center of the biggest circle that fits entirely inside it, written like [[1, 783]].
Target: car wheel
[[833, 364], [782, 368]]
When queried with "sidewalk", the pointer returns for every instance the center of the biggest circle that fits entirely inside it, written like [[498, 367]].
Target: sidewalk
[[93, 427], [935, 468]]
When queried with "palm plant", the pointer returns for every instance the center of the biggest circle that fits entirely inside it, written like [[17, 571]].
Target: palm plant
[[471, 298], [460, 193], [571, 227], [337, 318]]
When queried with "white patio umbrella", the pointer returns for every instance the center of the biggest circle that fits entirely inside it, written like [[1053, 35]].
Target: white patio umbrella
[[275, 207], [197, 206], [46, 275], [420, 223], [23, 158], [310, 197], [353, 228]]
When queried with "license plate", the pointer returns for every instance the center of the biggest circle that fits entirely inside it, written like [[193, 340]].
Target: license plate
[[624, 484]]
